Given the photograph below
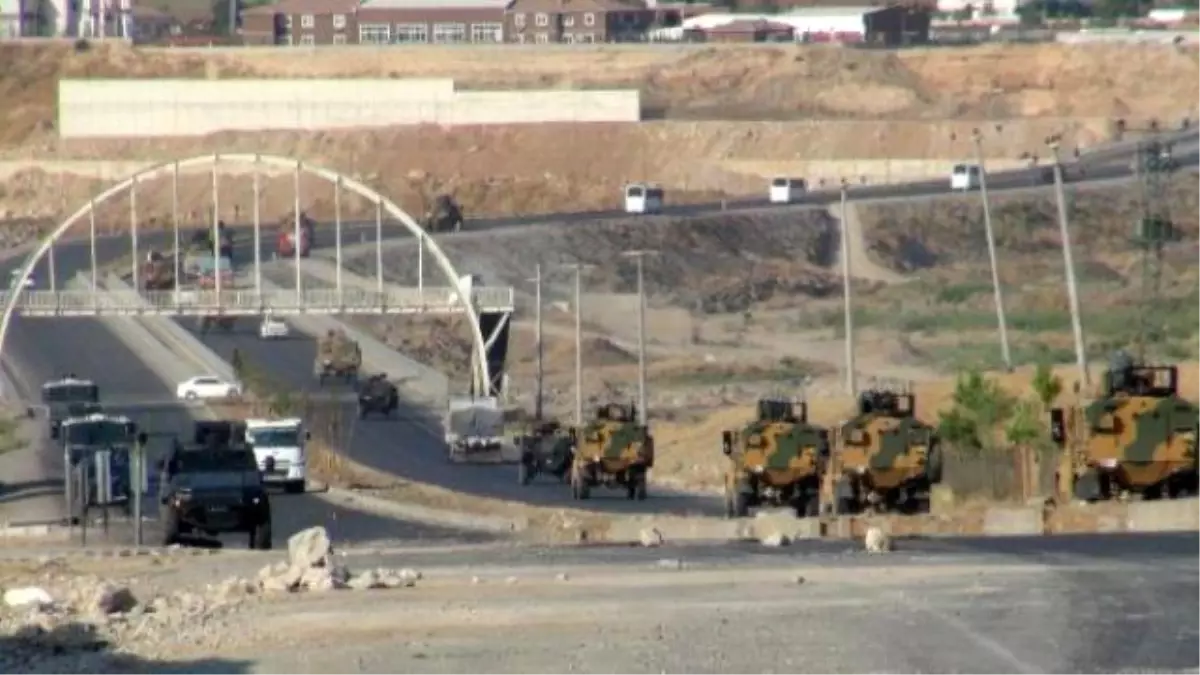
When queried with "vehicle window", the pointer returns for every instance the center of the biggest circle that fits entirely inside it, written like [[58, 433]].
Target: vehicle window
[[960, 169], [274, 438], [654, 193], [206, 380], [65, 393], [634, 191], [780, 182], [214, 461], [102, 432]]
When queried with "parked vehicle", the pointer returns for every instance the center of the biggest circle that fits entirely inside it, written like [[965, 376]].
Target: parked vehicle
[[787, 190], [964, 177], [642, 198], [272, 328]]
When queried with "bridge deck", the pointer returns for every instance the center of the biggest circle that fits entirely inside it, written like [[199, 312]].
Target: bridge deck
[[241, 302]]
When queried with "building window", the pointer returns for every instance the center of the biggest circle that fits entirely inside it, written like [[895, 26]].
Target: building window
[[568, 20], [589, 19], [339, 21], [543, 38], [289, 21], [587, 38], [487, 32], [374, 34], [543, 19], [449, 32], [307, 40], [568, 38], [339, 39], [411, 33], [519, 20], [521, 38], [307, 21]]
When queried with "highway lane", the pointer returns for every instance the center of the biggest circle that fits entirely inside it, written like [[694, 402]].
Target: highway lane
[[419, 457], [42, 350]]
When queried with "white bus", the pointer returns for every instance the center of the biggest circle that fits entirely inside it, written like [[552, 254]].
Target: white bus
[[641, 198], [787, 190], [964, 177]]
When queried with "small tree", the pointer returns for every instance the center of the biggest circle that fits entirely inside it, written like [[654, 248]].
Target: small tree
[[980, 407], [1046, 385]]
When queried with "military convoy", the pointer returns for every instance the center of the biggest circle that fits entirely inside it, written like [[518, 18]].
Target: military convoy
[[777, 459], [1137, 437], [337, 356], [613, 450]]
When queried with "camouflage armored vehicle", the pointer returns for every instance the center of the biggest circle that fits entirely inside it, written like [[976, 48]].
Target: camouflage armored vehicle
[[545, 448], [444, 216], [884, 458], [1138, 437], [378, 395], [778, 459], [337, 356], [158, 272], [614, 451]]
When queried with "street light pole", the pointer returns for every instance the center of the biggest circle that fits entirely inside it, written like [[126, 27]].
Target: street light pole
[[537, 405], [998, 293], [847, 310], [639, 255], [1069, 263]]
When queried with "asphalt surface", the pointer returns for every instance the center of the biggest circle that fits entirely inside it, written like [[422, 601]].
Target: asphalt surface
[[414, 450], [43, 350]]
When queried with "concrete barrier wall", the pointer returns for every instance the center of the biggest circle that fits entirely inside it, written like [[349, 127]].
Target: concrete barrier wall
[[155, 108]]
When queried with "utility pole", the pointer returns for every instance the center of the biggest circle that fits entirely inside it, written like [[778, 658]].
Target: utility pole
[[639, 255], [847, 310], [578, 345], [538, 396], [998, 293], [1069, 263]]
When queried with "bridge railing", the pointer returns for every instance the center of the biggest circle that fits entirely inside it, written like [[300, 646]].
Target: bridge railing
[[430, 299]]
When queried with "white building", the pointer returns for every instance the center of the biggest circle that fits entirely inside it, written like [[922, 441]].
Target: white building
[[818, 23]]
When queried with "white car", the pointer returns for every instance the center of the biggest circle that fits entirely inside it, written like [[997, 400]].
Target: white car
[[28, 284], [964, 177], [642, 198], [787, 190], [207, 387], [272, 328]]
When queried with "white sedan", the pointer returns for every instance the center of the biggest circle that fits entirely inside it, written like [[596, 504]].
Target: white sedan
[[207, 387], [272, 328]]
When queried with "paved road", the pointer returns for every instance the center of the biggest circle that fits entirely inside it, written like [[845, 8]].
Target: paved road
[[415, 453], [43, 350]]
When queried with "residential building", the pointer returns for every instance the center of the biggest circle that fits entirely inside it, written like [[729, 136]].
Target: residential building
[[431, 22], [302, 22], [757, 30], [577, 21], [17, 19], [889, 25]]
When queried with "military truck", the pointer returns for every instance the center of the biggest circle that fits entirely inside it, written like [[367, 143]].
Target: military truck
[[444, 216], [60, 395], [210, 489], [777, 459], [337, 356], [884, 458], [613, 450], [1137, 437], [285, 244], [545, 447], [378, 395], [474, 429]]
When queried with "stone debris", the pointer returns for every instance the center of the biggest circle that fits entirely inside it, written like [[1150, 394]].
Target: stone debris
[[650, 537], [775, 540], [310, 567], [30, 596], [876, 541]]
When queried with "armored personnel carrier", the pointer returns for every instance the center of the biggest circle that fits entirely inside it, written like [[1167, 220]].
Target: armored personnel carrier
[[777, 459], [337, 356], [884, 458], [545, 447], [1138, 436], [613, 450], [378, 395]]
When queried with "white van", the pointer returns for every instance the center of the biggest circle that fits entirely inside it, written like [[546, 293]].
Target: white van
[[279, 447], [964, 177], [642, 198], [787, 190]]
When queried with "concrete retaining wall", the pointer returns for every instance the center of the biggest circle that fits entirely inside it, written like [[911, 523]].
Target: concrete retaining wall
[[155, 108]]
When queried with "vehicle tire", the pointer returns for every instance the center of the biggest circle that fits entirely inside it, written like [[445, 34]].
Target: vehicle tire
[[934, 463], [524, 475], [736, 504], [294, 487], [579, 487], [636, 489], [191, 396], [809, 506], [260, 537], [170, 527], [845, 506]]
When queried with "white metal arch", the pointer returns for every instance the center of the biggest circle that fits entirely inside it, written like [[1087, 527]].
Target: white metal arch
[[152, 172]]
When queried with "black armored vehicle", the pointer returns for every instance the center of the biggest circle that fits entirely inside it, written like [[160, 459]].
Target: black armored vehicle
[[377, 395], [69, 397], [210, 489], [546, 448]]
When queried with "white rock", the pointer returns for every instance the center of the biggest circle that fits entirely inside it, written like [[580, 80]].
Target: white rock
[[367, 580], [29, 596], [650, 537], [563, 576], [309, 548], [775, 540], [410, 574], [876, 541]]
